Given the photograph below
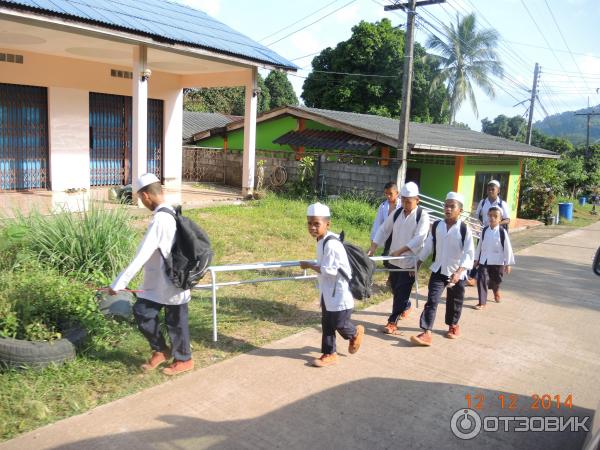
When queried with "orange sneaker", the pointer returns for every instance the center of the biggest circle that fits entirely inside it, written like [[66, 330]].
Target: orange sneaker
[[155, 360], [453, 332], [325, 360], [179, 367], [390, 328], [356, 340], [423, 339], [405, 313]]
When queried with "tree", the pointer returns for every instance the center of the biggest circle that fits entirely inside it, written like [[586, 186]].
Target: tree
[[510, 128], [225, 100], [468, 56], [281, 90], [373, 49]]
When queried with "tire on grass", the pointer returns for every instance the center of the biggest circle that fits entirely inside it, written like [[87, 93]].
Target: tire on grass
[[20, 354]]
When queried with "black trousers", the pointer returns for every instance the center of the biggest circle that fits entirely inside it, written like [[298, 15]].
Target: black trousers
[[176, 318], [490, 276], [333, 321], [454, 300], [402, 284]]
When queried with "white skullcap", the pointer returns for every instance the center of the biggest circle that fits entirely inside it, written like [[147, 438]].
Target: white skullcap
[[318, 210], [456, 196], [145, 179], [410, 189], [494, 182]]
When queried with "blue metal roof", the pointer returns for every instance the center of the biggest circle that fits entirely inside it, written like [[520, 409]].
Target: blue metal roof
[[162, 20]]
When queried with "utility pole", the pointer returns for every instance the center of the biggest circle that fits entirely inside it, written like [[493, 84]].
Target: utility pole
[[587, 139], [536, 76], [409, 44]]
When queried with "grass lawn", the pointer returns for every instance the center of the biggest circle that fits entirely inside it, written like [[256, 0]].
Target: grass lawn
[[272, 229]]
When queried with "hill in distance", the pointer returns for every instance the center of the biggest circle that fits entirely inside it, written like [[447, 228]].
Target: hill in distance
[[570, 126]]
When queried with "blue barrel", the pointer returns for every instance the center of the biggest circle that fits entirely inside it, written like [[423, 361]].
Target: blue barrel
[[565, 211], [582, 200]]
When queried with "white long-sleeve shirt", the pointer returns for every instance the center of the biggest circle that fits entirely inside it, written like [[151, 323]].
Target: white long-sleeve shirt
[[451, 254], [156, 286], [484, 207], [383, 212], [489, 249], [332, 285], [405, 232]]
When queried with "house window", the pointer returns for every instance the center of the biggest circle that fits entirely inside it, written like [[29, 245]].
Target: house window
[[481, 181]]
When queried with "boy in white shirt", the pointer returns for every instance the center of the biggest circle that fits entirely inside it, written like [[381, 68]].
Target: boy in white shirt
[[387, 208], [452, 244], [494, 256], [158, 291], [403, 233], [334, 272]]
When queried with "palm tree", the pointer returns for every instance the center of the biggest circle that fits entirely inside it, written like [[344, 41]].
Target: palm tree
[[468, 56]]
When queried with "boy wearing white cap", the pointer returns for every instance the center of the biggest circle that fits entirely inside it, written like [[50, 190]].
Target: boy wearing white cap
[[493, 257], [452, 244], [158, 291], [334, 271], [403, 233], [492, 200]]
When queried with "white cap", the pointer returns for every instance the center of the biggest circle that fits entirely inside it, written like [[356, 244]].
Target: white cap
[[456, 196], [318, 210], [410, 189], [145, 179], [494, 182]]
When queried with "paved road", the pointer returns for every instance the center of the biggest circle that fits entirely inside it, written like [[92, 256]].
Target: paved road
[[543, 338]]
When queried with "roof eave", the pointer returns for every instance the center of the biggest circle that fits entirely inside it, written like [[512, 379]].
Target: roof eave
[[457, 151], [31, 16]]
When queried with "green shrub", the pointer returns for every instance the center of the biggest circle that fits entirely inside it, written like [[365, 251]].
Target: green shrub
[[91, 246], [357, 213], [39, 305]]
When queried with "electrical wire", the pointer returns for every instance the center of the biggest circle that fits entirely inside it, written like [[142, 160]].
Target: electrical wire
[[298, 21], [310, 24]]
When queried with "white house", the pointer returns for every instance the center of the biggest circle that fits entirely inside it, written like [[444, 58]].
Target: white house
[[91, 91]]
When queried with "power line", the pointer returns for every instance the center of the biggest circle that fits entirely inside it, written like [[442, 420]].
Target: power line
[[565, 41], [552, 49], [310, 24], [306, 56], [298, 21]]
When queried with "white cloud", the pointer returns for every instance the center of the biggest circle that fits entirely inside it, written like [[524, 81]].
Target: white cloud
[[305, 42], [210, 7]]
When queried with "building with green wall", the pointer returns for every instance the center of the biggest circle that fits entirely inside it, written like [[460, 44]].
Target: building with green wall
[[441, 157]]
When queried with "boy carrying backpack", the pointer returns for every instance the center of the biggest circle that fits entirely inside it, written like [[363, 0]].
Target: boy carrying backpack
[[451, 242], [335, 273], [159, 251]]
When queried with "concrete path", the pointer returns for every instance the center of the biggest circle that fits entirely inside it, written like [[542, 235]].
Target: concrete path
[[542, 339]]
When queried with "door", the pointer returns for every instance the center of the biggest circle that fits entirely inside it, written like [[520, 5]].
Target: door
[[111, 139], [24, 156]]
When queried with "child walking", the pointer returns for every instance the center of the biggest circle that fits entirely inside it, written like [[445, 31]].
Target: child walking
[[158, 292], [452, 244], [336, 299], [494, 256]]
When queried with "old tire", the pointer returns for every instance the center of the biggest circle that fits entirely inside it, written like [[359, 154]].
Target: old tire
[[19, 354]]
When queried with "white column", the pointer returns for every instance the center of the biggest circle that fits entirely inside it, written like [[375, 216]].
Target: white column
[[139, 157], [173, 126], [250, 134]]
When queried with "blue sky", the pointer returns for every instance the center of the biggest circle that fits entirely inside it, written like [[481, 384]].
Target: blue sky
[[567, 78]]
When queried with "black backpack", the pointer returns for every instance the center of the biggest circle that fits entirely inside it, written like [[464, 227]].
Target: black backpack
[[362, 269], [388, 243], [502, 237], [191, 253], [463, 234], [503, 225]]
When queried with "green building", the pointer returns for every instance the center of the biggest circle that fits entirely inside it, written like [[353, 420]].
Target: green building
[[441, 157]]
